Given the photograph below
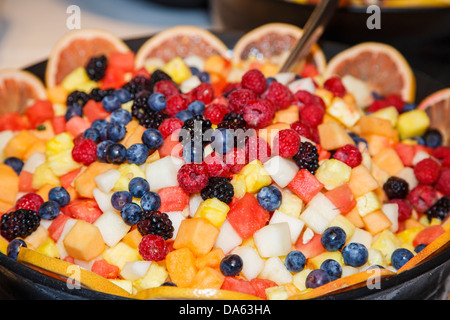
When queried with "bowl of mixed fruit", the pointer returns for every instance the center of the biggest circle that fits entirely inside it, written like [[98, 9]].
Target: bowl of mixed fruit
[[181, 167]]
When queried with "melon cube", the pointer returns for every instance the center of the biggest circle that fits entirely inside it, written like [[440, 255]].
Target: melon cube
[[333, 136], [389, 113], [306, 84], [368, 203], [342, 198], [208, 277], [391, 212], [180, 264], [103, 200], [155, 277], [376, 257], [273, 240], [359, 89], [314, 220], [348, 271], [253, 264], [84, 241], [361, 181], [105, 181], [134, 270], [9, 184], [291, 204], [324, 207], [388, 161], [376, 221], [299, 279], [295, 225], [34, 161], [120, 254], [37, 238], [69, 223], [407, 174], [194, 203], [228, 238], [305, 185], [275, 270], [281, 170], [347, 113], [162, 173], [373, 125], [197, 234], [19, 144], [112, 227], [332, 173], [85, 182], [176, 217], [387, 243], [133, 238], [214, 210]]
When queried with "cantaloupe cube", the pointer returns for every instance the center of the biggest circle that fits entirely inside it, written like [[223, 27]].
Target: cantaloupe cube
[[354, 217], [132, 238], [377, 143], [333, 136], [134, 136], [361, 181], [180, 264], [388, 161], [211, 259], [269, 133], [84, 241], [39, 146], [208, 278], [9, 184], [37, 238], [19, 145], [85, 184], [288, 115], [376, 221], [373, 125], [5, 206], [197, 234], [44, 190]]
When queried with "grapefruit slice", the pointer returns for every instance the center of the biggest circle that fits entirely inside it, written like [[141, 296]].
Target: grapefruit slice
[[180, 41], [18, 89], [381, 66], [272, 42], [166, 292], [74, 50]]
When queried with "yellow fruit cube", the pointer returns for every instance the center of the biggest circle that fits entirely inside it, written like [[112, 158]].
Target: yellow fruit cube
[[376, 257], [291, 204], [255, 176], [412, 123], [389, 113], [347, 113], [213, 210], [277, 293], [84, 241], [407, 236], [74, 80], [332, 173], [155, 276], [299, 279], [120, 254], [127, 173], [44, 175], [315, 262], [238, 186], [59, 143], [49, 248], [177, 70], [368, 203], [345, 224], [62, 163], [387, 243], [126, 285]]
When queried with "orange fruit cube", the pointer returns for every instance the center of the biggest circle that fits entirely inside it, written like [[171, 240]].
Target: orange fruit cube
[[180, 264], [197, 234]]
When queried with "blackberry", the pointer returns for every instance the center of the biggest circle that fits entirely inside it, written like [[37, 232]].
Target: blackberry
[[78, 98], [142, 112], [156, 223], [307, 157], [396, 188], [20, 223], [219, 188], [235, 121], [96, 67], [97, 94], [192, 125], [136, 85], [157, 75], [440, 209]]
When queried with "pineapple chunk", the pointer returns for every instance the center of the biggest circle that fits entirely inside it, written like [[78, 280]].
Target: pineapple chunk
[[120, 254], [316, 261], [291, 204], [345, 224], [277, 293], [299, 279], [376, 257], [44, 175], [412, 123], [155, 276], [76, 79], [368, 203], [62, 163], [347, 113], [49, 248], [59, 143], [127, 173], [177, 70], [255, 176], [332, 173], [389, 113], [386, 242], [214, 210]]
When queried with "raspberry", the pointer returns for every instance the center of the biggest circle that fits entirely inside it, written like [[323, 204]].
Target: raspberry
[[286, 143], [156, 223], [306, 98], [237, 99], [215, 112], [396, 101], [85, 151], [427, 171], [153, 248], [307, 157], [235, 159], [257, 148], [377, 105], [335, 85], [203, 92], [219, 188], [167, 88], [312, 115], [230, 87], [258, 113], [279, 95], [349, 154], [20, 223], [396, 188], [30, 201], [215, 165], [255, 81], [169, 125], [422, 197], [404, 208], [443, 182], [175, 104], [192, 177], [442, 153], [302, 129]]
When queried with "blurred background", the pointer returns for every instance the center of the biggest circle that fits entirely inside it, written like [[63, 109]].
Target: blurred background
[[420, 29]]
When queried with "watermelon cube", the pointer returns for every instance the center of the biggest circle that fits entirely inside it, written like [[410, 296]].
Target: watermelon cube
[[312, 248], [173, 199], [305, 185], [342, 197], [39, 112], [238, 285]]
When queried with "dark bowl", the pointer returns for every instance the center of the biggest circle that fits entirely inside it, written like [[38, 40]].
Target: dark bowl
[[429, 280]]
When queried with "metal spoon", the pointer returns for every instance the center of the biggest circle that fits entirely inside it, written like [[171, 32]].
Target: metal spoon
[[313, 29]]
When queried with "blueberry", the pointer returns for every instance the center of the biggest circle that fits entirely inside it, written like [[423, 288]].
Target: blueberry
[[73, 111], [131, 213], [157, 101], [100, 125], [120, 198], [420, 140], [15, 163], [49, 210], [432, 138], [184, 115], [152, 138], [333, 238], [223, 140], [333, 268], [138, 187], [231, 265], [409, 107], [121, 116], [269, 198], [116, 153], [194, 70], [93, 134], [355, 254], [193, 152], [400, 256], [13, 248], [116, 131], [137, 153], [59, 195], [295, 261], [101, 149], [196, 107], [317, 278], [204, 76], [111, 103], [419, 247], [123, 95], [357, 139], [150, 201], [269, 80]]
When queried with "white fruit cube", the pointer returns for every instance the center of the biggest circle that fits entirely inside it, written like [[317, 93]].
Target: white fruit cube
[[324, 206], [419, 156], [285, 77], [252, 262], [314, 220], [112, 227], [306, 84], [59, 243], [359, 89], [163, 173], [361, 236], [134, 270], [275, 270], [194, 203], [281, 170], [407, 174], [103, 200], [347, 114], [391, 212], [34, 161], [106, 180], [295, 225], [332, 173], [176, 217], [228, 238], [348, 271], [273, 240]]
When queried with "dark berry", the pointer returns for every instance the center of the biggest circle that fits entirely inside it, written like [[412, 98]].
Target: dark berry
[[400, 256], [77, 98], [419, 247], [333, 268], [432, 138], [219, 188], [396, 188], [184, 115], [59, 195], [116, 131], [355, 254], [196, 107], [157, 76], [73, 111], [231, 265], [152, 138], [440, 209], [93, 134], [100, 125], [49, 210], [269, 198], [120, 198], [13, 248], [157, 101], [116, 153], [317, 278], [123, 95], [307, 157], [121, 116], [295, 261], [15, 163], [111, 103], [195, 129], [101, 149], [20, 223], [131, 213], [137, 153], [333, 238], [156, 223], [138, 186], [96, 67], [150, 201]]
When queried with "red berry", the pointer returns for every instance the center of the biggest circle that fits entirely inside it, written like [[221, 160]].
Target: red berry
[[279, 95], [404, 208], [169, 125], [422, 197], [85, 151], [377, 105], [306, 97], [286, 143], [427, 171], [192, 177], [315, 137], [443, 182], [254, 80], [216, 166], [335, 85], [258, 113], [396, 101], [349, 154], [30, 201], [257, 148], [175, 104], [153, 248], [312, 115], [215, 112], [203, 92], [442, 153], [237, 99], [166, 87], [235, 159], [302, 129]]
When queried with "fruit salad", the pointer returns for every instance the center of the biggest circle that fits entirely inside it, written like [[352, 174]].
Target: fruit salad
[[201, 173]]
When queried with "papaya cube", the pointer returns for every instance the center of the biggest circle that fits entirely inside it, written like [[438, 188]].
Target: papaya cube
[[197, 234], [84, 241], [180, 264], [388, 161], [133, 238], [305, 185], [373, 125], [19, 145], [208, 278], [376, 221], [361, 181], [9, 184], [333, 136]]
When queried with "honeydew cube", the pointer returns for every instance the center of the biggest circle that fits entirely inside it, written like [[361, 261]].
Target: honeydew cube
[[214, 210], [151, 64], [275, 270], [252, 262], [368, 203], [291, 204], [176, 217], [103, 200], [412, 123], [5, 136], [34, 161], [316, 261], [228, 238], [59, 243], [306, 84], [389, 113], [346, 225], [84, 241], [348, 114], [332, 173], [361, 236], [195, 61], [376, 257], [189, 84], [277, 293], [348, 271], [194, 203], [281, 170], [359, 89], [324, 206], [155, 277], [295, 225], [112, 227], [273, 240], [163, 173], [106, 180], [419, 156], [391, 212], [134, 270], [314, 220], [408, 175], [380, 175], [126, 285], [285, 77], [299, 279]]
